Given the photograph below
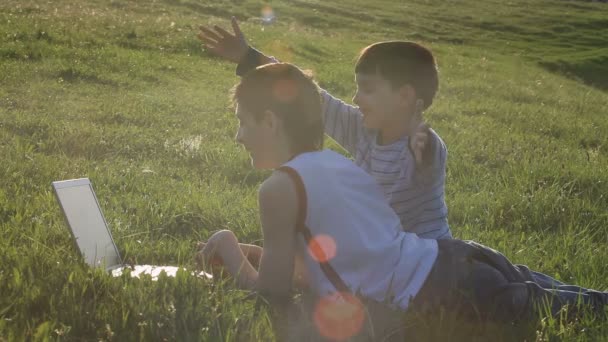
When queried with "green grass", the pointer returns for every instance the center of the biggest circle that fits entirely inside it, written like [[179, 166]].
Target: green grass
[[120, 92]]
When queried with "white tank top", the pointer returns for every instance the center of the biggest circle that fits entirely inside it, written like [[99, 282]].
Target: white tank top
[[351, 219]]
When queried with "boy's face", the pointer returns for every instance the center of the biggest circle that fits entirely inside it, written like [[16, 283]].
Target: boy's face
[[258, 139], [381, 105]]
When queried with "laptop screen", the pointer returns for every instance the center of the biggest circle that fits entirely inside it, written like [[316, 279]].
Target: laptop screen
[[88, 226]]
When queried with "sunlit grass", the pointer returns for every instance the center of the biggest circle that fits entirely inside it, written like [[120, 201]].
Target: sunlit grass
[[121, 92]]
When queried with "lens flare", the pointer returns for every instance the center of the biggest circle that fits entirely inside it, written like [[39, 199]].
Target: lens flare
[[267, 15], [284, 90], [339, 316], [322, 248]]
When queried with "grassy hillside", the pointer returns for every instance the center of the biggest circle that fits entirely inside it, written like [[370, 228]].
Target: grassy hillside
[[119, 91]]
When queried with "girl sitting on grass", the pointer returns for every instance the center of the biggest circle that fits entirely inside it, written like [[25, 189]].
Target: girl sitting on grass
[[327, 224]]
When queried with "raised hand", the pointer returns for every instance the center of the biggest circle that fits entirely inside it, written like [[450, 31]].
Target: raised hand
[[230, 46], [419, 142]]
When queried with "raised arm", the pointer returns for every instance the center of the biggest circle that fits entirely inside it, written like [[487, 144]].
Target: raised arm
[[343, 121], [232, 47]]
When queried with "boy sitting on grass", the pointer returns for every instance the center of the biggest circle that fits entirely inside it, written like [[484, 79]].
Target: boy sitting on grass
[[320, 208], [396, 82]]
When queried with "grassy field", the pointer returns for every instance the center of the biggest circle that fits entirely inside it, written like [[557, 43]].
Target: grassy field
[[119, 91]]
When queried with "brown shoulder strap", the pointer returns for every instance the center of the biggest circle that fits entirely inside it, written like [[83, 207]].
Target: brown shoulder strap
[[301, 227]]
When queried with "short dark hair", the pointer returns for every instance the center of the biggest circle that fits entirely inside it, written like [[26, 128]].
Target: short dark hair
[[401, 63], [291, 94]]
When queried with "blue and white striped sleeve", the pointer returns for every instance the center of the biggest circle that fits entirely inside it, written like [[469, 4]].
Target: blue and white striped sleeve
[[343, 122]]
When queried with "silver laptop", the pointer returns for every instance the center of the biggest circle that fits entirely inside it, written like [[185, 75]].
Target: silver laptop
[[92, 234]]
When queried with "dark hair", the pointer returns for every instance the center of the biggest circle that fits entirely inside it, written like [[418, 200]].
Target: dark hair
[[291, 94], [401, 63]]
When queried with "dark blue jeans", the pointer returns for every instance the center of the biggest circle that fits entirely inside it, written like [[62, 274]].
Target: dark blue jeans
[[479, 281], [547, 282]]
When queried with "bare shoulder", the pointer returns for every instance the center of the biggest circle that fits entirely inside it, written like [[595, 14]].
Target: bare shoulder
[[278, 193]]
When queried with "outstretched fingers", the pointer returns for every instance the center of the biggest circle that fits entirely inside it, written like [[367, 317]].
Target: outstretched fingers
[[230, 46], [207, 34], [210, 44], [207, 40], [236, 28], [224, 34]]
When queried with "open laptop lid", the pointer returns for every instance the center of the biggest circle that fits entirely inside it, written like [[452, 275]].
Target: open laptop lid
[[87, 224]]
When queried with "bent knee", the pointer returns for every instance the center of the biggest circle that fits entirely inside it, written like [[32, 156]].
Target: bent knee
[[224, 237]]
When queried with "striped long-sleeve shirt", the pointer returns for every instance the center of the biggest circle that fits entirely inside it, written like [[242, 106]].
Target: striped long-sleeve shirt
[[416, 195]]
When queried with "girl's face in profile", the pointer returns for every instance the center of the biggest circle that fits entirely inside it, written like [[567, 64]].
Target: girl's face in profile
[[257, 136]]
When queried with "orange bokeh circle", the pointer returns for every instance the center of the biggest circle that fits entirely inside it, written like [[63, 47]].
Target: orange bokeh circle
[[322, 248], [339, 317], [285, 90]]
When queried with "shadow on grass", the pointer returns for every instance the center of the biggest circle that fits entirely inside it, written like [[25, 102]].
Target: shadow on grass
[[72, 75], [592, 72]]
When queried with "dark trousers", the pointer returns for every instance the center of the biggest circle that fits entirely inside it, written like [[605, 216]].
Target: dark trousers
[[470, 281], [476, 280]]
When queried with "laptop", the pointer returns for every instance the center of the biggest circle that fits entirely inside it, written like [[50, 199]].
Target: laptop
[[92, 234]]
